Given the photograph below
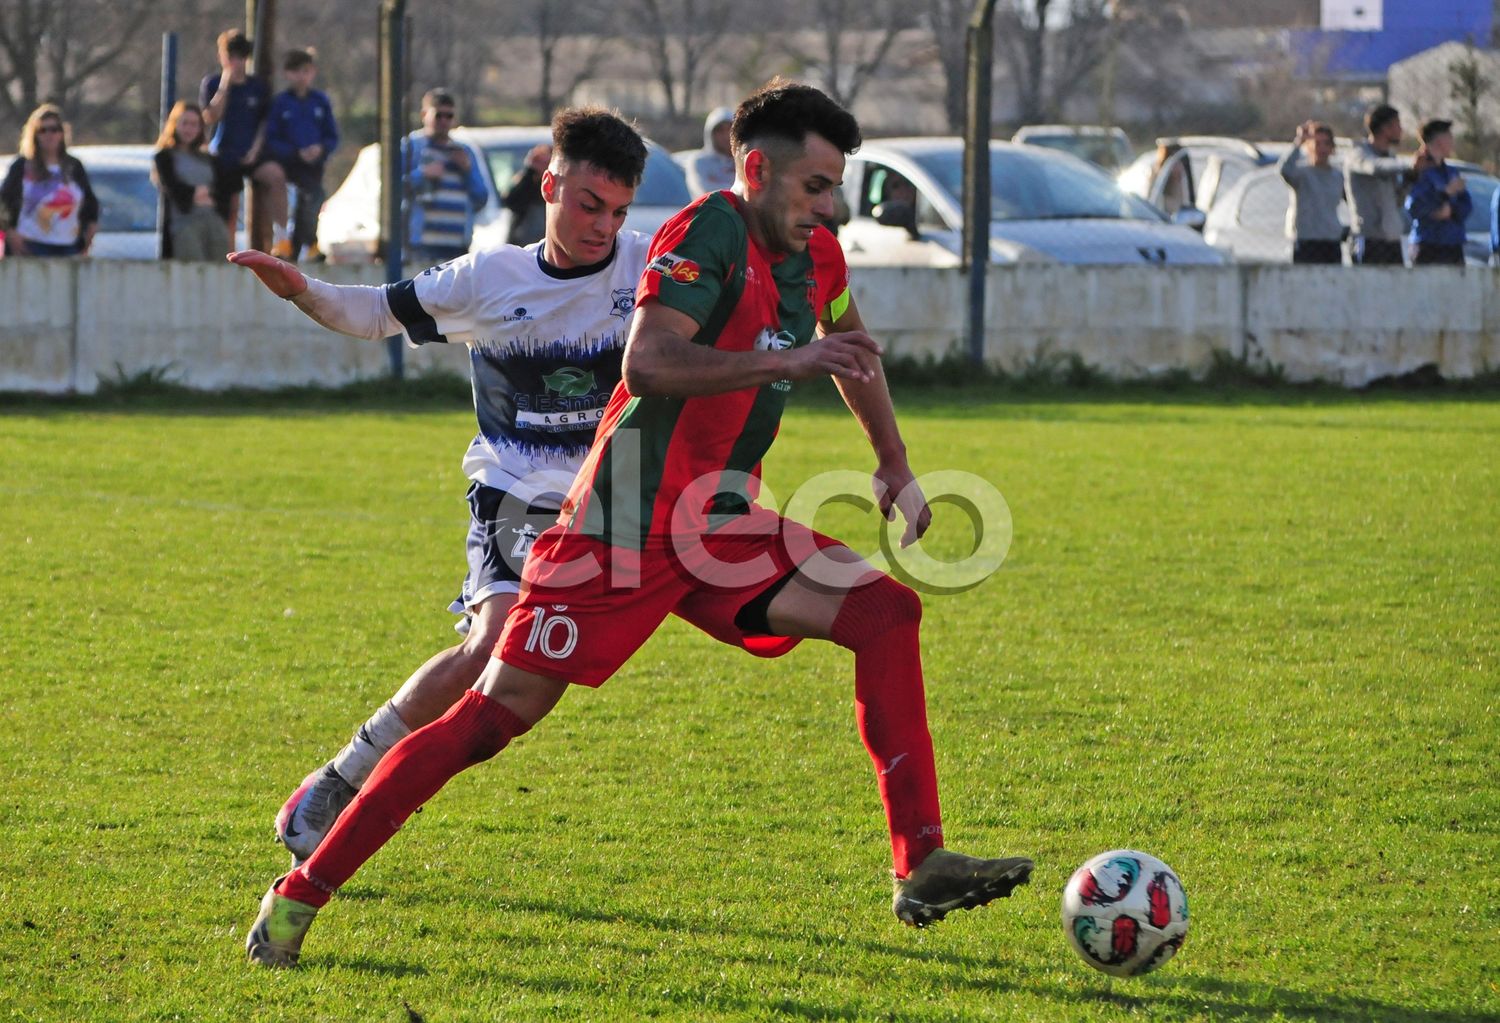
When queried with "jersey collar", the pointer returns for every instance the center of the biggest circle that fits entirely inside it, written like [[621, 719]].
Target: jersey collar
[[558, 273]]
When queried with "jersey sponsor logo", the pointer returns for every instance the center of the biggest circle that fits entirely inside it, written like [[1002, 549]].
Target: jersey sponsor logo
[[570, 381], [676, 268], [520, 314], [624, 302], [554, 635], [776, 341], [557, 422]]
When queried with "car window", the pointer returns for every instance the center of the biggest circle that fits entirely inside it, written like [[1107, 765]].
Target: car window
[[1482, 188], [504, 161], [1026, 186], [1264, 204], [127, 198]]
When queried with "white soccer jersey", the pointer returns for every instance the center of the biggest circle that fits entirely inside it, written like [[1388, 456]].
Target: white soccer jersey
[[545, 348]]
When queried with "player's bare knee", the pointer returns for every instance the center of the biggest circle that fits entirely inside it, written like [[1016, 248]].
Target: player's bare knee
[[874, 609], [485, 626]]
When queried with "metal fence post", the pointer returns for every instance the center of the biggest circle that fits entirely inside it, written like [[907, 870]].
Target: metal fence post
[[981, 54]]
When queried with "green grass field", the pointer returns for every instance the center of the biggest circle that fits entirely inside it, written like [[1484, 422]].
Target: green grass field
[[1254, 634]]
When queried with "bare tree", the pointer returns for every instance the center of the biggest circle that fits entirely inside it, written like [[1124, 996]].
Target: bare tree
[[554, 27], [947, 21], [1075, 31], [51, 50], [855, 38], [682, 37]]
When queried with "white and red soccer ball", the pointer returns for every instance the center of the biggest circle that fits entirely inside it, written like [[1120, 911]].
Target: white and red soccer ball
[[1125, 912]]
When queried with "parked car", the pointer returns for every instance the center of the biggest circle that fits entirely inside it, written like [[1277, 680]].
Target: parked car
[[350, 223], [1214, 164], [1249, 222], [1045, 206], [1107, 147]]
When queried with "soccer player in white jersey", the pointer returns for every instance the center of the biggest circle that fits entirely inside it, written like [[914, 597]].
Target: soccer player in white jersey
[[546, 327]]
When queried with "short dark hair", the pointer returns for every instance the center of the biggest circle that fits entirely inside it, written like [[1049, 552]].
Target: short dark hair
[[233, 42], [1322, 129], [787, 111], [600, 137], [438, 97], [298, 59], [1380, 116], [1437, 126]]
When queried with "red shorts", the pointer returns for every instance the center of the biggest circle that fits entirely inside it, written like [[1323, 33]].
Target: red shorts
[[586, 607]]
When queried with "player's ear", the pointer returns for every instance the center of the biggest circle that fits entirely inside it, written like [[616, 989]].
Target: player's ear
[[549, 185], [757, 169]]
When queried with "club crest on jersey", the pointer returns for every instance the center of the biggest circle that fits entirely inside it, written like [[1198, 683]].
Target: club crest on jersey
[[676, 268], [624, 302], [570, 381]]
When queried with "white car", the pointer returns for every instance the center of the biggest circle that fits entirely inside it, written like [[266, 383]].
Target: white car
[[350, 223], [1045, 206], [1249, 220]]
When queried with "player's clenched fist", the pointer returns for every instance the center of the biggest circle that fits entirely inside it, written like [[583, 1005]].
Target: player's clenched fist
[[284, 279]]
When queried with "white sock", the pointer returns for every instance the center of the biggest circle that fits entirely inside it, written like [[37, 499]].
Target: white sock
[[371, 742]]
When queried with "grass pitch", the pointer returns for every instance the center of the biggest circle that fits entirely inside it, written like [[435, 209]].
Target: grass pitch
[[1253, 635]]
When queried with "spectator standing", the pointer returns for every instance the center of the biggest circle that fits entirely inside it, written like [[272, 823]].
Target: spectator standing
[[1439, 202], [301, 135], [711, 169], [185, 174], [1374, 179], [1312, 220], [47, 204], [235, 107], [444, 185], [528, 210]]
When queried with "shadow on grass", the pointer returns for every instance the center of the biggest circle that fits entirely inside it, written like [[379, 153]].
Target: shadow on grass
[[1168, 995]]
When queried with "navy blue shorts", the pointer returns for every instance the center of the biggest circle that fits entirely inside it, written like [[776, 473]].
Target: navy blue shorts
[[501, 532]]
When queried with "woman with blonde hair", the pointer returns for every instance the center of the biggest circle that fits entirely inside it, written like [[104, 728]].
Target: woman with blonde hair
[[45, 200], [185, 174]]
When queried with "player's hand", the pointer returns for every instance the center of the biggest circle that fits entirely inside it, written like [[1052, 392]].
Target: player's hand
[[284, 279], [896, 489], [848, 355], [310, 154], [1443, 212], [1456, 185], [460, 158]]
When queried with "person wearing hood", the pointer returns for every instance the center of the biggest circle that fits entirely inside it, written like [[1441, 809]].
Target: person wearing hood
[[711, 169]]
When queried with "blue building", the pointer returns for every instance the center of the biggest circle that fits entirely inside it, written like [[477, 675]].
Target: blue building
[[1390, 30]]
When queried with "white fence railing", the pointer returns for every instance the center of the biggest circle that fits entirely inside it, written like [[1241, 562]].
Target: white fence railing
[[64, 325]]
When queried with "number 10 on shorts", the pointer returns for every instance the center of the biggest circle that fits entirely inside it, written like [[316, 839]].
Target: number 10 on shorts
[[554, 635]]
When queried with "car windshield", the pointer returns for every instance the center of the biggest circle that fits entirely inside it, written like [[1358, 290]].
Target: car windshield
[[127, 198], [1027, 186], [1104, 150], [662, 184]]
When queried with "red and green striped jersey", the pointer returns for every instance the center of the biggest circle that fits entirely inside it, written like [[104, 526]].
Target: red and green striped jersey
[[662, 466]]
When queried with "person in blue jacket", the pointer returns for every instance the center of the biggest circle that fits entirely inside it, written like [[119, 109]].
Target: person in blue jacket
[[444, 185], [1439, 202], [301, 133]]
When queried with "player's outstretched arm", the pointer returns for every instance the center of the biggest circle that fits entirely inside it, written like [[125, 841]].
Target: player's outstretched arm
[[355, 310], [661, 359], [870, 401]]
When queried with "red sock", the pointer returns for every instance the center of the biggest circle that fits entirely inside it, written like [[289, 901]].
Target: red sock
[[475, 729], [879, 622]]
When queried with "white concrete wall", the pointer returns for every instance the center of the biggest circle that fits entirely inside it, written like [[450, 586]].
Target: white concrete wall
[[65, 325]]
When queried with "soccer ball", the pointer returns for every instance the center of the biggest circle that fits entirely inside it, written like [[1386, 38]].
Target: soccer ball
[[1125, 912]]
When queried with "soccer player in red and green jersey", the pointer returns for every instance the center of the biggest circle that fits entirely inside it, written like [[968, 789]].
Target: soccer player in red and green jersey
[[744, 292]]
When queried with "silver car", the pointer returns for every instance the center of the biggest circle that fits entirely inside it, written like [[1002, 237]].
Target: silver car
[[350, 222], [1045, 206], [1249, 221]]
